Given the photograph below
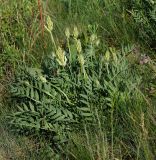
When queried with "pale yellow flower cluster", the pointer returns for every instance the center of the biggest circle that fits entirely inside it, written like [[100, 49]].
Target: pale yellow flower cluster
[[94, 39], [78, 46], [75, 32], [110, 53], [60, 55], [49, 25], [67, 33]]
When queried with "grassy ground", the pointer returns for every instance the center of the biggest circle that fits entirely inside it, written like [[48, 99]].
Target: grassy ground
[[123, 101]]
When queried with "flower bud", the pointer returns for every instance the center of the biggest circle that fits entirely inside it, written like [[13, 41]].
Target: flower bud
[[81, 60], [75, 32], [67, 33], [49, 24], [78, 46], [97, 42], [93, 38], [61, 58], [97, 83], [107, 56], [43, 79]]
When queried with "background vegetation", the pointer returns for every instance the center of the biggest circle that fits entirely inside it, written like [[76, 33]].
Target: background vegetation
[[77, 79]]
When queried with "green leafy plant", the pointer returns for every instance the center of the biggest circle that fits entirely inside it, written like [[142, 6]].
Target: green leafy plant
[[76, 83]]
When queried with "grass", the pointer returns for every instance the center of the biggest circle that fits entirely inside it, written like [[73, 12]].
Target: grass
[[120, 90]]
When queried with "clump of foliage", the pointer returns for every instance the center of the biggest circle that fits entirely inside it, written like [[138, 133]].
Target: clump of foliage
[[79, 91], [78, 86]]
